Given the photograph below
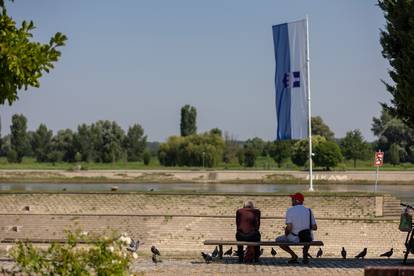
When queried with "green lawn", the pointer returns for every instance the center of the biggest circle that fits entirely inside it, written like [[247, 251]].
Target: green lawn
[[262, 163]]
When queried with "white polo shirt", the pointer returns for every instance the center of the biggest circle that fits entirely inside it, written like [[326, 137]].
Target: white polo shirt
[[298, 216]]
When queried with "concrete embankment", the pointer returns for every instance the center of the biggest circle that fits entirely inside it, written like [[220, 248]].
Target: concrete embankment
[[178, 224], [186, 176]]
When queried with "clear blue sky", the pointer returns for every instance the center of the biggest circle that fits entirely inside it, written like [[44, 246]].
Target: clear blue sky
[[140, 61]]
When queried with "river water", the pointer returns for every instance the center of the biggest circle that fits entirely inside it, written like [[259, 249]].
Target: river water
[[403, 192]]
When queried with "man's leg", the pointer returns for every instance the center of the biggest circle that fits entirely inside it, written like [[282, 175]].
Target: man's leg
[[286, 248], [257, 237], [240, 252], [305, 254]]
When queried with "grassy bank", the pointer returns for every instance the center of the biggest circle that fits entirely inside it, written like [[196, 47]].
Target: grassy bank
[[262, 163]]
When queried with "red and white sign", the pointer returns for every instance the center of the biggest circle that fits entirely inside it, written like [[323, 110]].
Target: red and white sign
[[379, 158]]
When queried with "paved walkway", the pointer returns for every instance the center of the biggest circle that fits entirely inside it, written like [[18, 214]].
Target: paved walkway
[[267, 266]]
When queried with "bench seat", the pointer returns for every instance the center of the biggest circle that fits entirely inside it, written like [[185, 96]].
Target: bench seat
[[220, 244], [262, 243]]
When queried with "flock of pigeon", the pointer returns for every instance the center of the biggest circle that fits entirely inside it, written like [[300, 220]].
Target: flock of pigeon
[[133, 247], [209, 257]]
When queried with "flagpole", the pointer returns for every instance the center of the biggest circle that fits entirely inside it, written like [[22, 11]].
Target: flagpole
[[309, 105]]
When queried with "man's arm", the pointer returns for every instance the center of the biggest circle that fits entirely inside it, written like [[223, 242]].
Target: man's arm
[[258, 220], [314, 226], [237, 219], [288, 228]]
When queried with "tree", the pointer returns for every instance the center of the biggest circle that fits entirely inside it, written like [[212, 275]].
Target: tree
[[250, 156], [188, 125], [397, 42], [300, 150], [327, 154], [63, 144], [192, 150], [320, 128], [281, 150], [231, 149], [257, 144], [391, 130], [395, 151], [135, 143], [216, 131], [354, 147], [83, 142], [41, 143], [147, 157], [19, 140], [23, 61]]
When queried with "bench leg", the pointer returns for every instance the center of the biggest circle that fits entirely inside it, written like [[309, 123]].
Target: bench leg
[[220, 251]]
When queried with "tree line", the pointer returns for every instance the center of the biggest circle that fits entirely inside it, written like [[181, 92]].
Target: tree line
[[102, 141], [106, 142]]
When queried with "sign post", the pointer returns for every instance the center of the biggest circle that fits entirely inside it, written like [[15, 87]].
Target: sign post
[[379, 160]]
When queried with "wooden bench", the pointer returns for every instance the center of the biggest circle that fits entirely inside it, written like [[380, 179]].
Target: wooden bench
[[220, 244]]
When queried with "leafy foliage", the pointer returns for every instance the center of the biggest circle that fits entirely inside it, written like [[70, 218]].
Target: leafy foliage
[[22, 61], [397, 41], [106, 256], [188, 124], [327, 154], [281, 150], [135, 143], [19, 140], [41, 143], [320, 128], [354, 147], [391, 130], [192, 150], [300, 151]]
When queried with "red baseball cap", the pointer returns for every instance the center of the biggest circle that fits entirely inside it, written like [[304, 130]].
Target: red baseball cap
[[298, 197]]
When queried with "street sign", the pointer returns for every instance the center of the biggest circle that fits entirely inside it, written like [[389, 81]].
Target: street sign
[[379, 158]]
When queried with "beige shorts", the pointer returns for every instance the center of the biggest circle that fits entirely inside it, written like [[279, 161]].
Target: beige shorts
[[288, 238]]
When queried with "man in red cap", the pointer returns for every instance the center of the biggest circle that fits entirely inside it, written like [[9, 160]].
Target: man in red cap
[[299, 225]]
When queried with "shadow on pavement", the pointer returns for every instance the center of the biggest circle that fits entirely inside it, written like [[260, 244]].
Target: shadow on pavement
[[317, 263]]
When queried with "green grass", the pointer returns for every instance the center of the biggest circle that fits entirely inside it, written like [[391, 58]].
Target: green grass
[[262, 163]]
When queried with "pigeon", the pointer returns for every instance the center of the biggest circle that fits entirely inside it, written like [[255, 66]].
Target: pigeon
[[273, 252], [155, 251], [319, 254], [133, 246], [387, 254], [362, 254], [343, 253], [207, 257], [154, 259], [215, 252], [228, 252]]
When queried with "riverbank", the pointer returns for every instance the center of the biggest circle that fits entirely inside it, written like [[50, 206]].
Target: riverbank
[[217, 176]]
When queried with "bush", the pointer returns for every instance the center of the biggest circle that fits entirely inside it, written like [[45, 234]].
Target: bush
[[300, 152], [327, 154], [106, 256], [12, 156], [147, 157], [193, 150], [250, 155]]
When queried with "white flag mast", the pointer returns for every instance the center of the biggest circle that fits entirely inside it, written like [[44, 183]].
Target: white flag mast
[[309, 106]]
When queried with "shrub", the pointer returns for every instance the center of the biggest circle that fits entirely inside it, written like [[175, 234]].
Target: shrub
[[12, 156], [147, 157], [106, 256], [327, 154]]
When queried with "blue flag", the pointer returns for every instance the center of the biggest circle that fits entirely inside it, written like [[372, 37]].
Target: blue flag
[[291, 80]]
